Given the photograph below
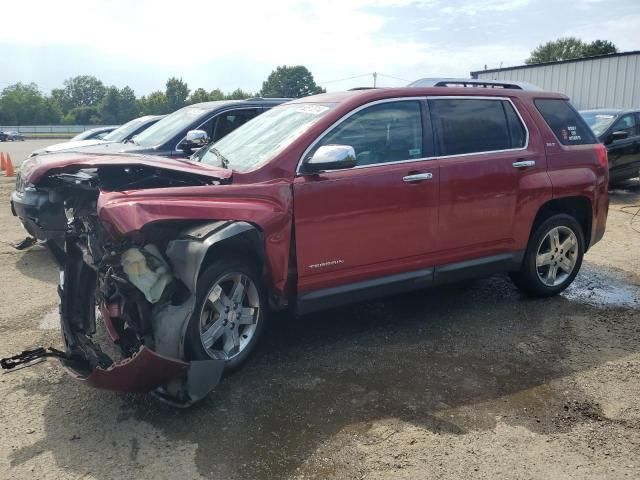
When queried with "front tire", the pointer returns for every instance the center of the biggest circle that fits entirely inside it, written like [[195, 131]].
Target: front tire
[[230, 313], [553, 257]]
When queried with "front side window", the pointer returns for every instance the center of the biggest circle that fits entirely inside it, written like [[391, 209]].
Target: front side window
[[229, 121], [627, 124], [465, 126], [382, 133]]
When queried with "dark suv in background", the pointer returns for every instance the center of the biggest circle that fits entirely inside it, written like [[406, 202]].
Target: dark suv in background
[[619, 130], [182, 132]]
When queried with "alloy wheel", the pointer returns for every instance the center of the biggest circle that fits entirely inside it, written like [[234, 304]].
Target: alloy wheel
[[556, 256], [229, 316]]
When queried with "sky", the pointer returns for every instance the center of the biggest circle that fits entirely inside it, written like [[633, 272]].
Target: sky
[[226, 45]]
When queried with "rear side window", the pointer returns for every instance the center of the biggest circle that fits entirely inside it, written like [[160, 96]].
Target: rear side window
[[475, 125], [567, 124]]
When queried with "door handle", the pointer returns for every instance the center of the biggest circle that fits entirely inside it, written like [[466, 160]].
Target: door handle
[[524, 163], [418, 177]]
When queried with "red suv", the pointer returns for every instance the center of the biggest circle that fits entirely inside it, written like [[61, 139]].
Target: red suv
[[322, 201]]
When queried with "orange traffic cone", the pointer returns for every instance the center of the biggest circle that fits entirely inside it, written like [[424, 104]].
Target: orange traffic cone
[[3, 165], [9, 171]]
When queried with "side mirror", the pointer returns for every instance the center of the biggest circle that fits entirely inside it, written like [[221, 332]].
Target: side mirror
[[194, 140], [619, 135], [331, 157]]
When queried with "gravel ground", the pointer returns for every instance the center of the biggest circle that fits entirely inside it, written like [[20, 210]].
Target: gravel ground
[[468, 381]]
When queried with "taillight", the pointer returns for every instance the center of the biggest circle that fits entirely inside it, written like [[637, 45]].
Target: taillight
[[603, 159]]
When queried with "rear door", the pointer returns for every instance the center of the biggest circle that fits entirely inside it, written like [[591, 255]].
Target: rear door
[[485, 156], [379, 218]]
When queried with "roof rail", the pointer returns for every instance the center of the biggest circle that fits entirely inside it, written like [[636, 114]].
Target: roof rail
[[268, 98], [364, 88], [472, 82]]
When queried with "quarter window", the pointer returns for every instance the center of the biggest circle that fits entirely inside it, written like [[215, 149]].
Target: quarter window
[[382, 133], [568, 126], [475, 125]]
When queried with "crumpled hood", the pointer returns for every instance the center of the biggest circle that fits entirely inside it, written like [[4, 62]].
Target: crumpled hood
[[59, 147], [35, 168]]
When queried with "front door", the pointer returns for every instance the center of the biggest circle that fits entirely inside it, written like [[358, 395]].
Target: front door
[[376, 219], [624, 154]]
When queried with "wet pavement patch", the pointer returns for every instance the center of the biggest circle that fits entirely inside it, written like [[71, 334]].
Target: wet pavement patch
[[603, 289]]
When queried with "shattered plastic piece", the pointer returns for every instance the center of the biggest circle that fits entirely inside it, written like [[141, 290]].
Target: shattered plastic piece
[[147, 270]]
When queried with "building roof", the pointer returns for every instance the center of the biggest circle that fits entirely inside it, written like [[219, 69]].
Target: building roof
[[582, 59]]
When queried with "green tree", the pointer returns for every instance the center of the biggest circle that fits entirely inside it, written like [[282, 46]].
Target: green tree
[[290, 82], [599, 47], [199, 95], [216, 94], [569, 48], [109, 107], [238, 94], [154, 104], [128, 105], [80, 91], [177, 93], [85, 115], [24, 104]]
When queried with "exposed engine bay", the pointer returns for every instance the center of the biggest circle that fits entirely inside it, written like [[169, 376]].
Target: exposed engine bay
[[142, 286]]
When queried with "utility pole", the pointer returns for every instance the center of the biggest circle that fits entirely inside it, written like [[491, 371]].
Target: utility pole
[[375, 77]]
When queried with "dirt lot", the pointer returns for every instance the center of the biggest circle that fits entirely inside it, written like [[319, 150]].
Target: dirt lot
[[468, 381]]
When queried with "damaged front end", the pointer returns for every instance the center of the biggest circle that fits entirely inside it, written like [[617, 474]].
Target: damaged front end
[[141, 286]]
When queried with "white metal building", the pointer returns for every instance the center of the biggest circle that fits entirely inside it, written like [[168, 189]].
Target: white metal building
[[604, 81]]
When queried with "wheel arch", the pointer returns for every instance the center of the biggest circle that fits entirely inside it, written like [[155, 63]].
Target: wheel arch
[[579, 207], [197, 247]]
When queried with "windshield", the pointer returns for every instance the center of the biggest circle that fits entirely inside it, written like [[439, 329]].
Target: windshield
[[598, 121], [167, 128], [84, 135], [259, 140], [123, 132]]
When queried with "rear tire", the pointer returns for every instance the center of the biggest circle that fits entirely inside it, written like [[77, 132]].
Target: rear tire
[[230, 313], [553, 257]]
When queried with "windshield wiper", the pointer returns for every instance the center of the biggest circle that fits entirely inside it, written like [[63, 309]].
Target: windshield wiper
[[224, 162]]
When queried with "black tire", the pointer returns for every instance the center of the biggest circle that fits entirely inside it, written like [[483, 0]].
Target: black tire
[[219, 270], [528, 278]]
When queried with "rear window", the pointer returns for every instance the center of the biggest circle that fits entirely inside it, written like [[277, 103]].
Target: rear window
[[566, 123], [475, 125]]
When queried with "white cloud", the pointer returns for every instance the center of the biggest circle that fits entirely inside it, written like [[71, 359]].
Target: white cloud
[[231, 43], [165, 33]]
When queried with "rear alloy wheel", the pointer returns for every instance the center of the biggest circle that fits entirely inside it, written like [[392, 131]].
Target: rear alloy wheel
[[553, 257], [229, 315]]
